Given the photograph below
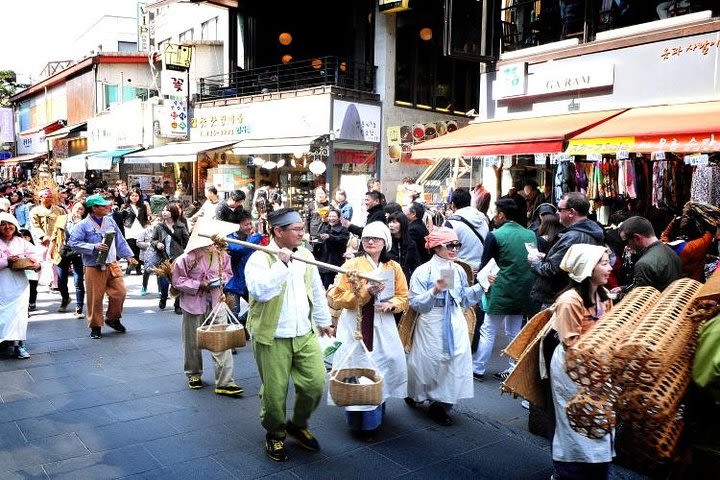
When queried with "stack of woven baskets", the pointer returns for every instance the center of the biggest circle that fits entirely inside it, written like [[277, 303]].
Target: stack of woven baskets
[[635, 364]]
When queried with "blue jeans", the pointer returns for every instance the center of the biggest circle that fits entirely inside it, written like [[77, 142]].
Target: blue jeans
[[78, 278], [163, 284]]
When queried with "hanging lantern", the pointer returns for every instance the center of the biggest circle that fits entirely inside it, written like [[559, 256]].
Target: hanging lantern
[[286, 58], [317, 167], [426, 34], [285, 38], [316, 63]]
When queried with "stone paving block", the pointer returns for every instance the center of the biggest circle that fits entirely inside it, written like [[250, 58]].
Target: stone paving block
[[41, 451], [201, 468], [123, 434], [412, 450], [251, 461], [37, 345], [62, 422], [16, 378], [360, 464], [506, 463], [91, 398], [105, 465], [141, 408], [196, 444], [445, 470], [26, 409], [92, 380], [31, 472], [48, 372], [11, 435]]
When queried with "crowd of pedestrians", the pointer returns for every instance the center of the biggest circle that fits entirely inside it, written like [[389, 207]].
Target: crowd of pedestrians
[[542, 254]]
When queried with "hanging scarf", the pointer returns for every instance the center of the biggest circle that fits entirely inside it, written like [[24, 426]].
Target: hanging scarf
[[367, 326], [447, 330]]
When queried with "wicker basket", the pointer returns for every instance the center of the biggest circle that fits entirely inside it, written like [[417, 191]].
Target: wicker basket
[[22, 264], [524, 380], [220, 337], [406, 328], [533, 326], [590, 415], [589, 361], [221, 330], [659, 339], [346, 394]]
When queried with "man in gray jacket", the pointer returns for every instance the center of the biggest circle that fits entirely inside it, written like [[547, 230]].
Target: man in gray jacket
[[573, 210], [471, 226]]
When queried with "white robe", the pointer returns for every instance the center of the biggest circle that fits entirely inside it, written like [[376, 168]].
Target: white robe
[[433, 374], [14, 290]]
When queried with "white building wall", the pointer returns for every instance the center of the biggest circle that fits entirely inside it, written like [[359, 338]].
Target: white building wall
[[104, 36]]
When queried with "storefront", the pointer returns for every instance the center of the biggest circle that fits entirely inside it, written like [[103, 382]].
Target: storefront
[[290, 145]]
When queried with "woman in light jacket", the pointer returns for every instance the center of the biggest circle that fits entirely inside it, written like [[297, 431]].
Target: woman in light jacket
[[440, 361], [378, 329]]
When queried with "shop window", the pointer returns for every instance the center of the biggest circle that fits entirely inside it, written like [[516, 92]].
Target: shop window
[[186, 36], [127, 47], [111, 94], [424, 77]]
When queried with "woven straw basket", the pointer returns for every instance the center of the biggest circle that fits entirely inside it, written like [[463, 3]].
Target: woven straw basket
[[221, 330], [218, 338], [524, 380], [528, 333], [346, 394]]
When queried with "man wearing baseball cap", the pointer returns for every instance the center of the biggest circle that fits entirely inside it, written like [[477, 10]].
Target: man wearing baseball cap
[[100, 241]]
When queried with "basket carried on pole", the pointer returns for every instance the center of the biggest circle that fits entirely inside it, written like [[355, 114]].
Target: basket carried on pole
[[221, 330]]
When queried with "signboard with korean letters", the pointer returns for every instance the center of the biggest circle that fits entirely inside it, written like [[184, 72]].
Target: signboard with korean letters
[[174, 83]]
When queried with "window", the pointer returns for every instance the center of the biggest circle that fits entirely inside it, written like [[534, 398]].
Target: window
[[186, 36], [127, 47], [111, 94], [163, 45], [208, 30], [424, 78]]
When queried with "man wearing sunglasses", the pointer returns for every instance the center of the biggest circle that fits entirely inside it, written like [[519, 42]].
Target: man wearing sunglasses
[[507, 299]]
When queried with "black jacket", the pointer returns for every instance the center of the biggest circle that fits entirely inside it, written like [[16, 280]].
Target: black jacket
[[331, 250], [417, 231], [226, 214], [129, 215], [375, 214], [551, 280], [404, 251]]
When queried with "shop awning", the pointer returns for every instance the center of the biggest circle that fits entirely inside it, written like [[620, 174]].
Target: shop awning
[[69, 131], [74, 164], [178, 152], [22, 159], [49, 128], [686, 128], [511, 137], [105, 160], [279, 146]]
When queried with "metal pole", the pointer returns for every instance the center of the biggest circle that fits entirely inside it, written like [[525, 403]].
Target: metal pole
[[274, 251]]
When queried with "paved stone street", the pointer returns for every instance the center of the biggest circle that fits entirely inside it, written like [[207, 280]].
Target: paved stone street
[[119, 408]]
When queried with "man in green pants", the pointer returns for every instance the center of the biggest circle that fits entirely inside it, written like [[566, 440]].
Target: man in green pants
[[287, 307]]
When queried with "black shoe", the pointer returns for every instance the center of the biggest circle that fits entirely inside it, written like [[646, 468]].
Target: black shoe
[[64, 306], [439, 415], [410, 402], [95, 332], [302, 436], [116, 325], [128, 270], [178, 311], [480, 377], [275, 449], [163, 303], [32, 307], [502, 376], [195, 382], [229, 390]]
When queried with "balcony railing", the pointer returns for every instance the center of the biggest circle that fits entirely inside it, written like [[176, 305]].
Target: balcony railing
[[331, 71]]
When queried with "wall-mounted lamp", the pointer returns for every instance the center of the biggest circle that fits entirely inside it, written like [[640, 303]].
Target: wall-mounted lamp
[[286, 58], [426, 34], [285, 38], [573, 106]]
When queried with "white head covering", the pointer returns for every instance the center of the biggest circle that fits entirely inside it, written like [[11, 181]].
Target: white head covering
[[580, 260], [208, 226], [378, 230], [9, 217]]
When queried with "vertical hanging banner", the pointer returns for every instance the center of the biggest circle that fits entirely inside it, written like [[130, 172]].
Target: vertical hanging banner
[[174, 120]]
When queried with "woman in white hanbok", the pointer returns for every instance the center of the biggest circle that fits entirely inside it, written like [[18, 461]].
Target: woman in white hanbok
[[379, 331], [14, 285], [440, 360]]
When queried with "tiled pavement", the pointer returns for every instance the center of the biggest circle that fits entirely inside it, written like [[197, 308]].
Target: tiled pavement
[[119, 408]]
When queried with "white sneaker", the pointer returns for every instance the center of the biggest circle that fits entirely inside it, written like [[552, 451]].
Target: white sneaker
[[525, 404]]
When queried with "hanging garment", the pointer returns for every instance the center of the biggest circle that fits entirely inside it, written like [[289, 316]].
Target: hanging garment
[[705, 185]]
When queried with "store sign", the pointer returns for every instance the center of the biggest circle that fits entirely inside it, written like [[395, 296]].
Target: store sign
[[34, 143], [174, 83], [7, 130], [540, 158], [121, 126], [552, 80], [512, 80], [282, 118], [356, 121], [400, 139], [173, 119], [393, 6], [143, 20], [700, 143], [697, 160], [599, 145]]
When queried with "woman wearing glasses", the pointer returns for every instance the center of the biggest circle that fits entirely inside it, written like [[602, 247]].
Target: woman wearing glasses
[[440, 362], [379, 332]]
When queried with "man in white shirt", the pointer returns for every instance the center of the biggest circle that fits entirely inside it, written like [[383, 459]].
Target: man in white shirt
[[287, 307]]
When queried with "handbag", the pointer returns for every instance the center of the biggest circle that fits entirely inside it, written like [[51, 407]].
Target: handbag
[[406, 328], [46, 275]]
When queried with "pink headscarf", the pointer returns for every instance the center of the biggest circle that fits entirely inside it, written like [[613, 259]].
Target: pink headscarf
[[440, 235]]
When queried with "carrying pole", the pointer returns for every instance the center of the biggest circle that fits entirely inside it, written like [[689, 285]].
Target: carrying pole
[[274, 251]]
